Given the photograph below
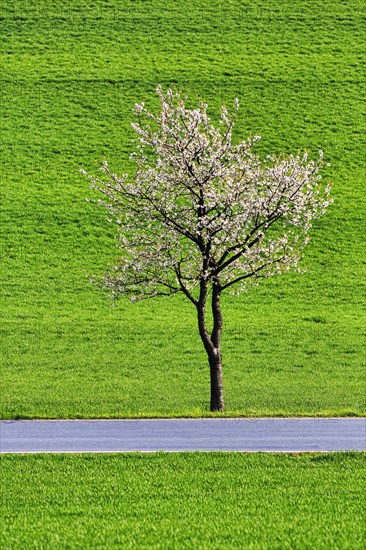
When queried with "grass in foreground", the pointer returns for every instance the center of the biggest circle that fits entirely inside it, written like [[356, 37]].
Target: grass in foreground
[[71, 72], [188, 500]]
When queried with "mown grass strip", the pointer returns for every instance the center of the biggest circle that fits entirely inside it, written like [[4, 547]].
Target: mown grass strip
[[201, 500]]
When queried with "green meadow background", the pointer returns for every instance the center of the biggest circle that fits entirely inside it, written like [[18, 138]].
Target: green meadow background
[[70, 74]]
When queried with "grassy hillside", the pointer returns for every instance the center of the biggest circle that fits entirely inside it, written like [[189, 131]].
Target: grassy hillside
[[71, 72], [184, 500]]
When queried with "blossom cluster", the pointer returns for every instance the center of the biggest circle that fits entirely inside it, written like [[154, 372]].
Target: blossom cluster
[[201, 208]]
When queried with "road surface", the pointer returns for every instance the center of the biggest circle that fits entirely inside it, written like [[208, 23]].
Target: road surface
[[211, 434]]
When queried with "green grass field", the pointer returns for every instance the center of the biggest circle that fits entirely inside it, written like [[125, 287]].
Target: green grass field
[[71, 72], [188, 500]]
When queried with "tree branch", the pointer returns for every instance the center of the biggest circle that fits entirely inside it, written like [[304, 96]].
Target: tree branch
[[183, 288], [242, 246], [251, 274]]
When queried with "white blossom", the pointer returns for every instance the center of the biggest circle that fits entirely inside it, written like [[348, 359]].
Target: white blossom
[[201, 207]]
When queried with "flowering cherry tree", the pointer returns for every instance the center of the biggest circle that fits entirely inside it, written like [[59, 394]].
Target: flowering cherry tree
[[203, 214]]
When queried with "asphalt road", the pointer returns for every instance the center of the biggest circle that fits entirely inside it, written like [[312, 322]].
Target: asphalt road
[[226, 434]]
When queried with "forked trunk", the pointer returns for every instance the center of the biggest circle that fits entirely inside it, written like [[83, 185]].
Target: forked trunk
[[212, 344]]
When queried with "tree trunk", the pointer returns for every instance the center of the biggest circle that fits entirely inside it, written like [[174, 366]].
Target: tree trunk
[[217, 389], [212, 344]]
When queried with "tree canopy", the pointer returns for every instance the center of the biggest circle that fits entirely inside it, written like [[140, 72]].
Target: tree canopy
[[200, 206]]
